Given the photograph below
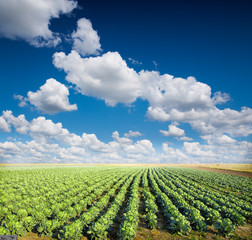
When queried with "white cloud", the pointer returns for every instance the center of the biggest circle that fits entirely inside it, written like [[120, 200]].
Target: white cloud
[[221, 148], [187, 100], [22, 100], [196, 149], [184, 138], [173, 131], [44, 130], [46, 127], [134, 61], [20, 123], [91, 141], [109, 78], [168, 92], [132, 134], [29, 20], [123, 140], [220, 98], [4, 126], [7, 151], [218, 139], [155, 64], [86, 40], [214, 120], [176, 132], [8, 146], [51, 142], [235, 123], [105, 77], [51, 98], [49, 139], [143, 147], [171, 155]]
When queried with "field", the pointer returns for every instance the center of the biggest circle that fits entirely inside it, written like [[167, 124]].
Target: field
[[123, 202]]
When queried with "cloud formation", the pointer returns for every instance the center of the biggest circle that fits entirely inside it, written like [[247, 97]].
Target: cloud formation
[[132, 134], [218, 139], [108, 77], [51, 98], [105, 77], [29, 20], [173, 131], [48, 139], [134, 61], [19, 123], [172, 155], [176, 132], [51, 142], [4, 126], [85, 39]]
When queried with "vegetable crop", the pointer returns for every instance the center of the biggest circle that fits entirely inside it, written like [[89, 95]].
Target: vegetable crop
[[105, 202]]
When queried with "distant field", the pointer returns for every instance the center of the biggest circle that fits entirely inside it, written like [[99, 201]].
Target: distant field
[[234, 167], [119, 202]]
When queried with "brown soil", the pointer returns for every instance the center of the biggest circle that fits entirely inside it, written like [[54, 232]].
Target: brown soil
[[143, 233], [233, 172], [240, 233], [35, 236]]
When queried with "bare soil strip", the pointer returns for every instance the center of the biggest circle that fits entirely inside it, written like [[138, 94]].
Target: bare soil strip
[[233, 172]]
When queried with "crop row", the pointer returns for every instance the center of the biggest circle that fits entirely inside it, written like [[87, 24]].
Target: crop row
[[67, 203]]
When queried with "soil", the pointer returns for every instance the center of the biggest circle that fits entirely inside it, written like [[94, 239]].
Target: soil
[[233, 172], [143, 233], [147, 234]]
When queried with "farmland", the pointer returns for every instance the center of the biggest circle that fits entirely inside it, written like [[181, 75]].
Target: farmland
[[141, 202]]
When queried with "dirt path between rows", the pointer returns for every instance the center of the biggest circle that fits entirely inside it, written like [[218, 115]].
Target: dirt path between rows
[[233, 172]]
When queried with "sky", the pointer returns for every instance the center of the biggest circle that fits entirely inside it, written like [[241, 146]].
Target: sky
[[94, 81]]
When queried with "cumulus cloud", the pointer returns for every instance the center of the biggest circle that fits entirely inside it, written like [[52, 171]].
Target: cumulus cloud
[[218, 139], [22, 100], [143, 147], [29, 20], [172, 155], [51, 98], [108, 77], [196, 149], [92, 142], [105, 77], [185, 138], [235, 123], [4, 126], [48, 139], [41, 127], [51, 142], [220, 98], [221, 148], [167, 92], [10, 146], [123, 140], [173, 131], [20, 123], [132, 134], [85, 39]]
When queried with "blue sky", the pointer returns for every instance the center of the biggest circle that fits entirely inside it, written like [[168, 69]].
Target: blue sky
[[125, 81]]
